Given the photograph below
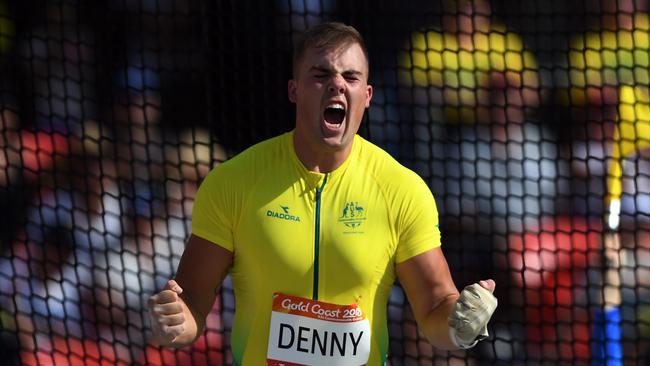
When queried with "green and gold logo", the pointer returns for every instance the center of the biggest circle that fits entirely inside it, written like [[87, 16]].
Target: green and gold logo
[[352, 215]]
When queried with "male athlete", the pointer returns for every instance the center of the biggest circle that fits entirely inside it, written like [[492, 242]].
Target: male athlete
[[314, 226]]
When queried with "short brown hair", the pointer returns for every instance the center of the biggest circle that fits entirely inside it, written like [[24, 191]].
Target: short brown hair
[[326, 36]]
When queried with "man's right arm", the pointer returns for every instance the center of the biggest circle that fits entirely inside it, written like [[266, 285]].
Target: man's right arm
[[178, 312]]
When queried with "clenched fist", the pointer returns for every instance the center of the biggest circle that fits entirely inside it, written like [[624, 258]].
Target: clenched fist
[[166, 311], [473, 310]]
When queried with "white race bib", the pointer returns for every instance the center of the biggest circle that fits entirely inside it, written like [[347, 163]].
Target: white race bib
[[310, 332]]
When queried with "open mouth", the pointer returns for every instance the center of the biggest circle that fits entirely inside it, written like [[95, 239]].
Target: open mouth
[[334, 114]]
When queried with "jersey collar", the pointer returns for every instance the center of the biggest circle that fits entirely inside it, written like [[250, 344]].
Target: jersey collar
[[315, 178]]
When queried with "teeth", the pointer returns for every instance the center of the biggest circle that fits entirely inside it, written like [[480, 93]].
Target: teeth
[[336, 106]]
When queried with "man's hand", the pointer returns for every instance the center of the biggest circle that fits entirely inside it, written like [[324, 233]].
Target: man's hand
[[177, 320], [473, 309], [166, 312]]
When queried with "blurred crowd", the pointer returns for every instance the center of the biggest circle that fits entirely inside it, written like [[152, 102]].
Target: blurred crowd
[[96, 187], [533, 160], [105, 134]]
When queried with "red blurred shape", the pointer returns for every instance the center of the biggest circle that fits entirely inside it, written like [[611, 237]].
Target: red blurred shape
[[549, 262], [39, 149]]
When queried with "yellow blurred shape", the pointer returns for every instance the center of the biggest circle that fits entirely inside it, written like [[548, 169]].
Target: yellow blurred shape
[[632, 134], [436, 59], [608, 58]]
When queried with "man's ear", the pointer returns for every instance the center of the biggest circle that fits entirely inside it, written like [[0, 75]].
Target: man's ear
[[368, 95], [292, 90]]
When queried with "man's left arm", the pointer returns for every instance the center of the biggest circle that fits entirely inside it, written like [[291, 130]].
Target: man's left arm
[[447, 319]]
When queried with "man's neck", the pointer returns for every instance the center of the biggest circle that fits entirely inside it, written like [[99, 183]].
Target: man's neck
[[319, 160]]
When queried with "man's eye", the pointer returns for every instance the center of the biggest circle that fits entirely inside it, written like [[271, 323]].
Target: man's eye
[[320, 76]]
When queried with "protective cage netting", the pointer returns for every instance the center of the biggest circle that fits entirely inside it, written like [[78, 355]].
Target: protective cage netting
[[529, 120]]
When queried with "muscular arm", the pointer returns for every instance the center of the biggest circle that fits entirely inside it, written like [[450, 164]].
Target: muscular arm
[[432, 294], [201, 270]]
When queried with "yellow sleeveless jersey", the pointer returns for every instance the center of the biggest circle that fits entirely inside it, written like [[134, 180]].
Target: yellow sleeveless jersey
[[332, 237]]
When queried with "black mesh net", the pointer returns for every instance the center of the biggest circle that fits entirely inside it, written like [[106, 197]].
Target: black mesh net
[[529, 120]]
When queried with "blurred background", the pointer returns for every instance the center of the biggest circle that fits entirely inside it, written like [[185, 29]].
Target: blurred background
[[529, 120]]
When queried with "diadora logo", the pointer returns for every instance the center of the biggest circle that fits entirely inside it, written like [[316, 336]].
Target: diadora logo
[[284, 215], [353, 215]]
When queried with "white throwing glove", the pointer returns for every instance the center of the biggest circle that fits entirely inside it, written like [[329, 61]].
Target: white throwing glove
[[468, 321]]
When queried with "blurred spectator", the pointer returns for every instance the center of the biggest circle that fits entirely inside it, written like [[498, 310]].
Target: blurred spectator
[[159, 172], [80, 276], [58, 62], [606, 94], [476, 66], [474, 88], [139, 141], [52, 267], [613, 55], [549, 262], [26, 157], [488, 157]]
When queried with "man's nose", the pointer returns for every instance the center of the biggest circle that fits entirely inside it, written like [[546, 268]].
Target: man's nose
[[337, 85]]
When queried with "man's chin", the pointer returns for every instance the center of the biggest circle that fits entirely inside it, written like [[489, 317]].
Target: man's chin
[[336, 143]]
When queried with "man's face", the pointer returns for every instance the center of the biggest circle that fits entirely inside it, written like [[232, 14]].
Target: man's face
[[331, 92]]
